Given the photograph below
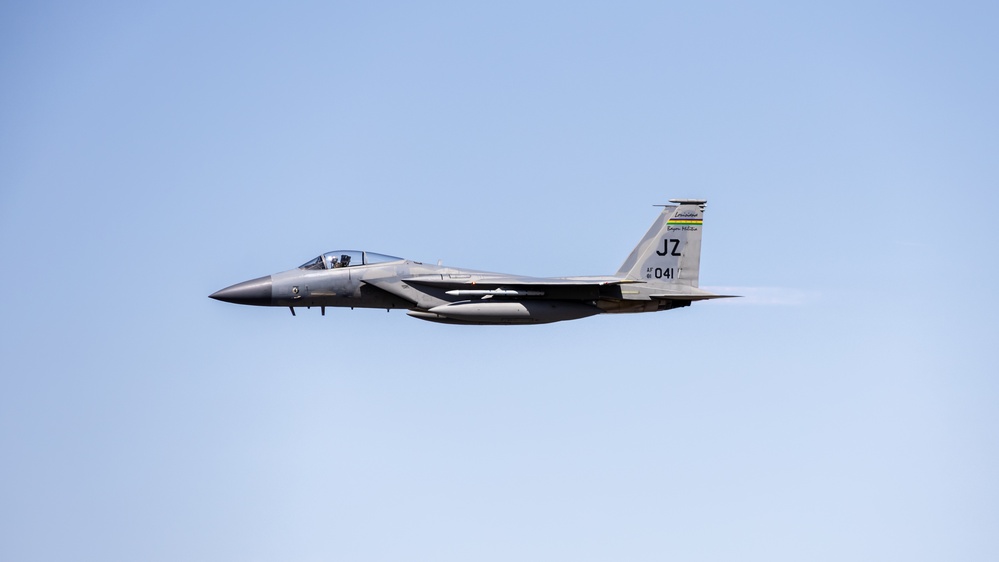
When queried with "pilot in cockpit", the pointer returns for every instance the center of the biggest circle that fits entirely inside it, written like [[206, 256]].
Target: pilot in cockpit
[[333, 263]]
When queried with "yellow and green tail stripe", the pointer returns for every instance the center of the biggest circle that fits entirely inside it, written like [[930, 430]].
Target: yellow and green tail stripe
[[682, 222]]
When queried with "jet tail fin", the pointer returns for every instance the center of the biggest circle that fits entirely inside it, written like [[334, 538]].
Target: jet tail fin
[[670, 252]]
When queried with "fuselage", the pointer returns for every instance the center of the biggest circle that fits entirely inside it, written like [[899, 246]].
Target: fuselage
[[428, 293], [661, 273]]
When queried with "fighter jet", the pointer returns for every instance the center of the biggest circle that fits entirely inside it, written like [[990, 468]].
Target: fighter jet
[[661, 273]]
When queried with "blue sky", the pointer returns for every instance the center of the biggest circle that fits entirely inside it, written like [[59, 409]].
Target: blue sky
[[845, 409]]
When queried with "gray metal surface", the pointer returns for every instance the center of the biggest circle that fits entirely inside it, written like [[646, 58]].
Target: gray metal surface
[[660, 273]]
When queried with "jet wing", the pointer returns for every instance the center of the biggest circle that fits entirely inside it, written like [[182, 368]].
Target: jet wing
[[488, 286], [512, 286], [465, 280], [583, 288]]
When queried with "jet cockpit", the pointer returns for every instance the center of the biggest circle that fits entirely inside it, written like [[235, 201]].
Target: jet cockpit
[[346, 258]]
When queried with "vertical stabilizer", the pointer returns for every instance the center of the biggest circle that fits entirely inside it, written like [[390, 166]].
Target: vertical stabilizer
[[670, 252]]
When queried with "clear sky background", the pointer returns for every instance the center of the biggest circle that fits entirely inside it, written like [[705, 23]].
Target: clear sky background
[[846, 409]]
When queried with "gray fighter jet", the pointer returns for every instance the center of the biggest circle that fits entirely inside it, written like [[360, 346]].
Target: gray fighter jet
[[660, 274]]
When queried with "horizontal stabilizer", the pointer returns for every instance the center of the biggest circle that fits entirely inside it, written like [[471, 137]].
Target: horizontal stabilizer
[[689, 297], [689, 294]]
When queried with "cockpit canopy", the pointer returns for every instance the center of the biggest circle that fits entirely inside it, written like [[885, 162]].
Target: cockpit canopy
[[346, 258]]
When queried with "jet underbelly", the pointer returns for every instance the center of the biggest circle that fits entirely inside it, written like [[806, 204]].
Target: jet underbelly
[[512, 312]]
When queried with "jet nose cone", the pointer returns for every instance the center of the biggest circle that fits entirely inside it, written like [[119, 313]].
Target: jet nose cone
[[254, 291]]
